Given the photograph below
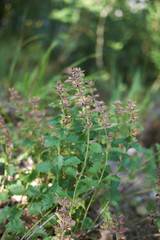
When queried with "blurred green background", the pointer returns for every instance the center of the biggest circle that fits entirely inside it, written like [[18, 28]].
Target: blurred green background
[[116, 42]]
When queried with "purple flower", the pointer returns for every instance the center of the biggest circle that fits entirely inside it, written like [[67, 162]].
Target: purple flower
[[33, 100]]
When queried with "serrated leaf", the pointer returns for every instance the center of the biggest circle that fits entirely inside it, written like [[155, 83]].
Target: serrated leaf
[[138, 147], [4, 196], [113, 156], [119, 141], [14, 213], [89, 181], [70, 171], [41, 232], [58, 161], [52, 142], [33, 192], [4, 213], [88, 222], [73, 161], [82, 189], [116, 149], [29, 176], [72, 138], [96, 148], [125, 160], [10, 169], [95, 168], [17, 188], [77, 126], [28, 143], [47, 202], [44, 167], [35, 208], [62, 134], [54, 121], [60, 193], [116, 179], [16, 226]]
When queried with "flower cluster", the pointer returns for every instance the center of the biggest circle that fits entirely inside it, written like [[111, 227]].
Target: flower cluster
[[119, 108], [5, 136], [64, 220], [33, 110], [31, 118], [81, 97], [130, 110], [64, 103], [86, 98], [114, 227], [14, 95]]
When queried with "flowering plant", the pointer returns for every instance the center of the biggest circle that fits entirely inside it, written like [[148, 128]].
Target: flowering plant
[[78, 151]]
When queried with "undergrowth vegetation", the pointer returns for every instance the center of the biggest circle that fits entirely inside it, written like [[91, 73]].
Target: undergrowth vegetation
[[59, 163]]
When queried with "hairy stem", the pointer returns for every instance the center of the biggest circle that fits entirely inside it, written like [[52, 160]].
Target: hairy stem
[[84, 165], [99, 181]]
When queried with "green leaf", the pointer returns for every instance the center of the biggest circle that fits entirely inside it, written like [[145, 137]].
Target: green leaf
[[119, 141], [33, 192], [48, 201], [16, 226], [70, 171], [52, 142], [62, 134], [4, 213], [89, 181], [58, 161], [10, 169], [28, 143], [116, 149], [112, 178], [29, 176], [44, 167], [126, 160], [17, 188], [55, 121], [138, 147], [88, 222], [113, 156], [140, 127], [40, 233], [96, 148], [14, 213], [72, 138], [82, 189], [35, 208], [72, 160], [95, 168], [4, 196], [60, 193]]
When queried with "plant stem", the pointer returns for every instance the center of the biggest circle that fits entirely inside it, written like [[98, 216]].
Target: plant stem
[[101, 211], [84, 165], [27, 233], [99, 181]]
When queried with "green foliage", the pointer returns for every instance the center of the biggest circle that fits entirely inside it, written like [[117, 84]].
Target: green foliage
[[68, 156], [17, 188], [16, 226], [44, 167]]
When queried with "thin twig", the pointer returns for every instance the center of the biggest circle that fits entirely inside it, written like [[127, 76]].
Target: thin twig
[[54, 215], [89, 230]]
